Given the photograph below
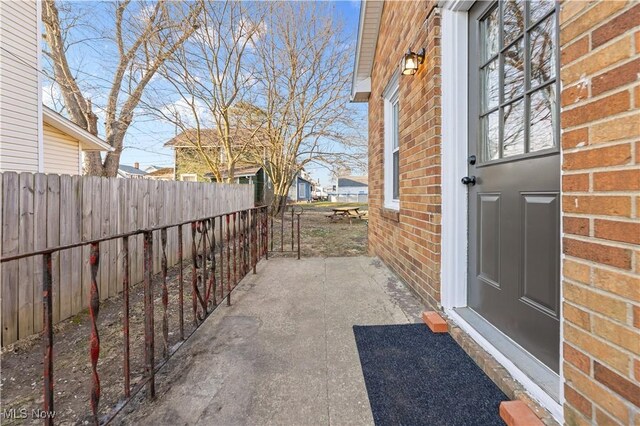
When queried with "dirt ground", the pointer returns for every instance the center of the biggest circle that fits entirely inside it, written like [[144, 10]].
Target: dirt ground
[[21, 363]]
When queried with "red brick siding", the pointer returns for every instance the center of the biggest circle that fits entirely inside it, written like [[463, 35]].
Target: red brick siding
[[600, 123], [408, 241]]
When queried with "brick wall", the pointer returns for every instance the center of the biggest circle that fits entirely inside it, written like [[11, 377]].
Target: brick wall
[[409, 240], [600, 65]]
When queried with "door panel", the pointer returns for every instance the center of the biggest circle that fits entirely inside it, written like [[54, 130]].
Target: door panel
[[540, 250], [514, 207], [489, 239]]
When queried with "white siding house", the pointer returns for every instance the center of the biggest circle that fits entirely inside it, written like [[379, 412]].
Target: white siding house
[[20, 87], [33, 138]]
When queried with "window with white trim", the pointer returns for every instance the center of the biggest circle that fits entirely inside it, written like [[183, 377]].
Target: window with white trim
[[189, 177], [392, 143]]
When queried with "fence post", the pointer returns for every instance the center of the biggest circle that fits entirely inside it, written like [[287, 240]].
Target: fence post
[[47, 326], [148, 314]]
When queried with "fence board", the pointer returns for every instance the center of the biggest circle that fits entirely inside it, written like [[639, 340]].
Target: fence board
[[40, 242], [10, 245], [105, 252], [25, 266], [53, 238], [65, 238], [113, 230], [87, 233], [40, 211], [76, 253]]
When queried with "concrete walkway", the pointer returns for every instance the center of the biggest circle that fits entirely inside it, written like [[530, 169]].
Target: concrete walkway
[[284, 352]]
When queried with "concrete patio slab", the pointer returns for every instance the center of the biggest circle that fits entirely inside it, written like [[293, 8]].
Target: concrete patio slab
[[284, 352]]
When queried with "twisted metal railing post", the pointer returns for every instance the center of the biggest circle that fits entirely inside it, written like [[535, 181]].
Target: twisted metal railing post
[[204, 232], [148, 314], [125, 316], [180, 285], [235, 243], [221, 260], [94, 342], [47, 326], [194, 273], [254, 239], [165, 295], [212, 285], [241, 244], [227, 219]]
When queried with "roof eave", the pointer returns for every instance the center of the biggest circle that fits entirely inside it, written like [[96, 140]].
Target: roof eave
[[88, 142], [369, 24]]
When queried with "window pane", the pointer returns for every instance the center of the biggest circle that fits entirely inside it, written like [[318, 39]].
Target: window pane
[[514, 70], [489, 31], [490, 137], [543, 64], [513, 19], [543, 119], [513, 132], [396, 175], [538, 8], [396, 127], [490, 91]]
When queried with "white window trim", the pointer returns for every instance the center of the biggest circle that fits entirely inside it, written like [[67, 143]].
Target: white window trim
[[182, 176], [391, 95]]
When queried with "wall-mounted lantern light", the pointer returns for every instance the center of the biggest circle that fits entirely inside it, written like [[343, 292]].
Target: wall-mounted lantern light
[[411, 61]]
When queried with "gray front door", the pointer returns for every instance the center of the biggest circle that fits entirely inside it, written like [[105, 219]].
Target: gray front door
[[514, 172]]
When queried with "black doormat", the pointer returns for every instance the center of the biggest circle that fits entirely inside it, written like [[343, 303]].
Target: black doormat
[[416, 377]]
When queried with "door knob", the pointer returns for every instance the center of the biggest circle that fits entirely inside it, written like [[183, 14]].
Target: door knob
[[469, 180]]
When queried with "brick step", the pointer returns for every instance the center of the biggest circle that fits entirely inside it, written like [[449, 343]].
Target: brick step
[[435, 322], [517, 413]]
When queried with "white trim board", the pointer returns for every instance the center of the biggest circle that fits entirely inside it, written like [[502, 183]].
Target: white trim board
[[454, 238]]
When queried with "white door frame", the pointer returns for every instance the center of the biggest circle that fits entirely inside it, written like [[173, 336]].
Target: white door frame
[[454, 151]]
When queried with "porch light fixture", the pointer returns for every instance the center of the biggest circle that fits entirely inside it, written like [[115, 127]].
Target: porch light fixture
[[411, 61]]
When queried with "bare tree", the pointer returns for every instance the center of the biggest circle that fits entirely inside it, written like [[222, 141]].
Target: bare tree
[[210, 79], [145, 36], [303, 92]]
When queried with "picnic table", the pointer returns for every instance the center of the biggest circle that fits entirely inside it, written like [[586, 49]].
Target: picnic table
[[346, 212]]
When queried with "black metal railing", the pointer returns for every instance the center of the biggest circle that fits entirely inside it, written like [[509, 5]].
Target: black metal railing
[[224, 249]]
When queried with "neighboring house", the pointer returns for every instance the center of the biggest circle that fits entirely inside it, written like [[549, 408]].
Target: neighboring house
[[517, 226], [189, 162], [301, 188], [132, 172], [152, 168], [256, 176], [353, 185], [64, 143], [160, 173], [33, 138]]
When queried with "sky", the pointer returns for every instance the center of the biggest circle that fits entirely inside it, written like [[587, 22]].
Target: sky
[[146, 136]]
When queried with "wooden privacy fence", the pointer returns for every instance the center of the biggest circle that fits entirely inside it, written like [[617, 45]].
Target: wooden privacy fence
[[42, 211]]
